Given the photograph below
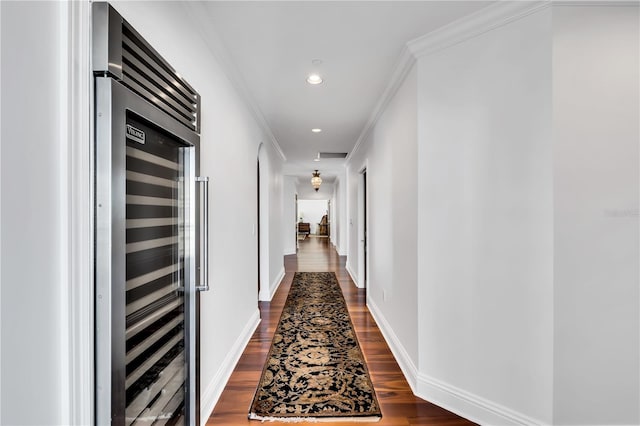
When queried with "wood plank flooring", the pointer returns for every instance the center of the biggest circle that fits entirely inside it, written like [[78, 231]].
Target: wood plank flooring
[[399, 405]]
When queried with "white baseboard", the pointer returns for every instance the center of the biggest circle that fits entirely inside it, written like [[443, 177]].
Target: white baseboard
[[212, 392], [468, 405], [340, 251], [458, 401], [405, 362], [352, 275], [267, 294]]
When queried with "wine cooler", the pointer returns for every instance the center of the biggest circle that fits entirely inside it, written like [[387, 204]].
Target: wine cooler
[[151, 231]]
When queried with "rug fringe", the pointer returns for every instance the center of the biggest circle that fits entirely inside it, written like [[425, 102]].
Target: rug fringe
[[281, 419], [368, 419]]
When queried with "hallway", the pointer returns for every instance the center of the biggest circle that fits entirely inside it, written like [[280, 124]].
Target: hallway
[[399, 405], [486, 151]]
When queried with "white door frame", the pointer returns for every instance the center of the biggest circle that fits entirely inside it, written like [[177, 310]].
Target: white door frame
[[77, 225], [263, 229], [363, 227]]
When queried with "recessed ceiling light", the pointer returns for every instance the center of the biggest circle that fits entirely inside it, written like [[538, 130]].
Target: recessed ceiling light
[[316, 130], [314, 79]]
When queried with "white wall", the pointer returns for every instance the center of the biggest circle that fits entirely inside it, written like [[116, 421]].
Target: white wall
[[273, 243], [343, 221], [306, 191], [352, 177], [0, 223], [289, 215], [312, 212], [390, 153], [263, 212], [596, 183], [486, 221], [339, 222], [34, 382]]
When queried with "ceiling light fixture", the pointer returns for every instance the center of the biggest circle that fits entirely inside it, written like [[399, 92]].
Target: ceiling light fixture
[[314, 79], [316, 130], [316, 180]]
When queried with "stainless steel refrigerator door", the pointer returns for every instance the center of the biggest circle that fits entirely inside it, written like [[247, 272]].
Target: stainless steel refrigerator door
[[146, 261]]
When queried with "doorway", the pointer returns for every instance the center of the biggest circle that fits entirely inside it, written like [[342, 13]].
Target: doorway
[[258, 217], [363, 238], [296, 225], [329, 216], [364, 231], [313, 218]]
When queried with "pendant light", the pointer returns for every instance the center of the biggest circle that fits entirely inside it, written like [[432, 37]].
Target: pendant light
[[316, 180]]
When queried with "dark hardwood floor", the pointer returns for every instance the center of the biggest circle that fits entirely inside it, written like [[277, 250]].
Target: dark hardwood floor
[[399, 405]]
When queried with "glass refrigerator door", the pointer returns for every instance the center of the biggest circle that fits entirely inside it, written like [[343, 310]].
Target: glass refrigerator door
[[147, 257], [155, 297]]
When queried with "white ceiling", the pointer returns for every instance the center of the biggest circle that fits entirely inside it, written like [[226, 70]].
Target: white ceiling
[[272, 43]]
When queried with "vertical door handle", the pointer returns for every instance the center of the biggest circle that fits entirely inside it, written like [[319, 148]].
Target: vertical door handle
[[204, 237]]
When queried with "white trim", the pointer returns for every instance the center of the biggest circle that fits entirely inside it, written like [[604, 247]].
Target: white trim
[[76, 227], [456, 400], [339, 250], [486, 19], [199, 13], [0, 236], [214, 389], [289, 252], [401, 355], [260, 145], [470, 26], [273, 287], [596, 3], [405, 63], [468, 405], [352, 274], [363, 220], [65, 225]]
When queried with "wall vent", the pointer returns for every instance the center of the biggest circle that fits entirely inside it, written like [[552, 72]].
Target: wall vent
[[328, 155], [122, 53]]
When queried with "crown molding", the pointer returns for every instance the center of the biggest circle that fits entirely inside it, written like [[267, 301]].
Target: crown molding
[[597, 3], [199, 13], [404, 65], [468, 27], [486, 19]]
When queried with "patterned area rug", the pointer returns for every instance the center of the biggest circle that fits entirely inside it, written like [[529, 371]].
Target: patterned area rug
[[315, 370]]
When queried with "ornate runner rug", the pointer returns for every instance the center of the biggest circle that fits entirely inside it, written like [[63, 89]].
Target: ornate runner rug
[[315, 370]]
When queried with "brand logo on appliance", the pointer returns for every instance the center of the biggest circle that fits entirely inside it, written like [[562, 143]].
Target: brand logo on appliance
[[135, 134]]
